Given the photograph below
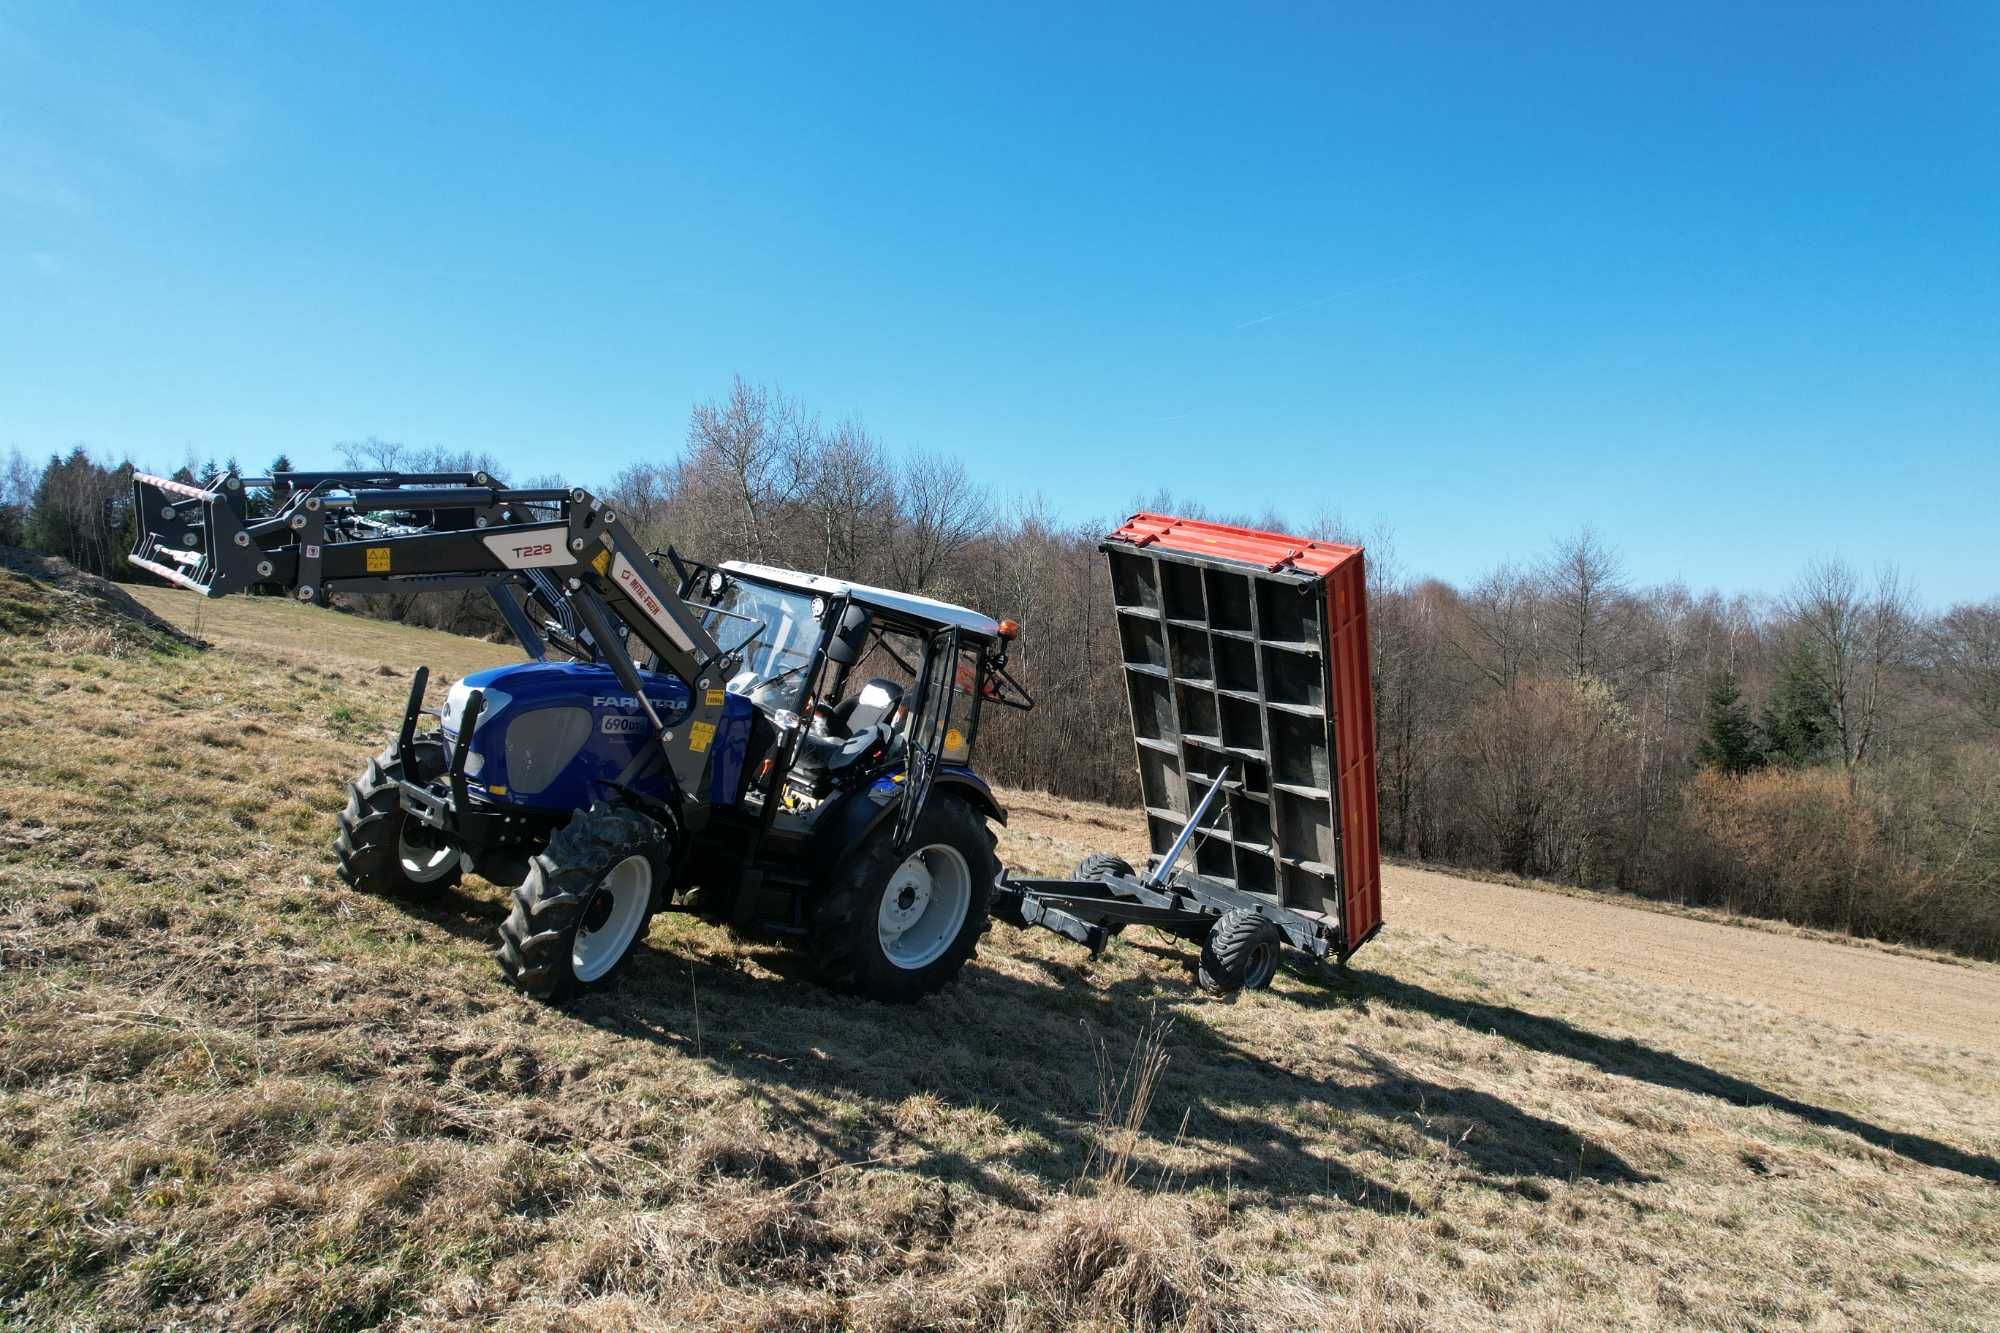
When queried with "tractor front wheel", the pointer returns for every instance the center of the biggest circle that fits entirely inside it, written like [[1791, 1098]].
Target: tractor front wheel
[[380, 848], [897, 925], [587, 900]]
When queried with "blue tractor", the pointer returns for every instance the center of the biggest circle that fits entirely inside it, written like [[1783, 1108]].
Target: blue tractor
[[788, 751]]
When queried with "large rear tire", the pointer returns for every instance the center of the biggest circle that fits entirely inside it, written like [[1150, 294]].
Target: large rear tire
[[380, 848], [588, 898], [897, 926]]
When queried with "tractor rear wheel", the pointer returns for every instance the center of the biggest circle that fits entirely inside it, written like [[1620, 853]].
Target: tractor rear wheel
[[1241, 953], [382, 849], [588, 898], [899, 925]]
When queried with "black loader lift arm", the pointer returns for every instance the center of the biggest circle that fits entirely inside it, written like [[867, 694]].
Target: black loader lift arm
[[371, 532]]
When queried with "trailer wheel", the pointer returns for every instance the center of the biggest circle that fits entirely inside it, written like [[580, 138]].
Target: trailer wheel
[[587, 899], [1241, 953], [380, 848], [1102, 866], [898, 926]]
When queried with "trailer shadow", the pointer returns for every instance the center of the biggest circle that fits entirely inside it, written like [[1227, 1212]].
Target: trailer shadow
[[1236, 1101], [1626, 1058], [855, 1076]]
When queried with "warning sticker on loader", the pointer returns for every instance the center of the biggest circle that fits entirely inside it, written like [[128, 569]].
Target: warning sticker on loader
[[378, 560], [699, 735]]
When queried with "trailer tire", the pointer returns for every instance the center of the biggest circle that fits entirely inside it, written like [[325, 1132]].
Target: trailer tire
[[588, 898], [379, 848], [1240, 953], [950, 858], [1103, 866]]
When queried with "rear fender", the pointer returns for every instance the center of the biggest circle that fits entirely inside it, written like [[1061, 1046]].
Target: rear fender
[[848, 822]]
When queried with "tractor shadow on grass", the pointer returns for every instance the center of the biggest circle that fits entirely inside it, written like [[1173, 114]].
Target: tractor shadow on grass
[[1630, 1059], [857, 1077]]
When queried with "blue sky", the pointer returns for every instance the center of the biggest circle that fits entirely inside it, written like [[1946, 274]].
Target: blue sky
[[1722, 281]]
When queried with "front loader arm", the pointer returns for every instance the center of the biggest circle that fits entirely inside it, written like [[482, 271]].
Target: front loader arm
[[460, 530]]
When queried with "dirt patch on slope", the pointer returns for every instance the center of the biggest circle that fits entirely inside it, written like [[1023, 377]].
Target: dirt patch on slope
[[48, 595]]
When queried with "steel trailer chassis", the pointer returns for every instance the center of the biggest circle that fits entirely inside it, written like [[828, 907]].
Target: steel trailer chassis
[[1178, 902], [1187, 906]]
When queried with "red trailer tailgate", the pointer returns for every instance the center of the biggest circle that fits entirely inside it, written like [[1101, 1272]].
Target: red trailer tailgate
[[1248, 651]]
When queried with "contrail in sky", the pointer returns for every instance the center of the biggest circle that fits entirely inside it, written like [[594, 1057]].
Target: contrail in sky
[[1345, 291]]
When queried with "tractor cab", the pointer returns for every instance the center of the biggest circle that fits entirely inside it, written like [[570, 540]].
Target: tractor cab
[[851, 681]]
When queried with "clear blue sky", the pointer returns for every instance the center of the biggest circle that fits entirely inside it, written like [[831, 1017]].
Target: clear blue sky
[[1722, 280]]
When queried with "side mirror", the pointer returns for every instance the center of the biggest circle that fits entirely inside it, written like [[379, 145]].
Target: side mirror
[[851, 637]]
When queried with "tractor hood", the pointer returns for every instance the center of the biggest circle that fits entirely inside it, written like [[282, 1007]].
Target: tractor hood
[[550, 733]]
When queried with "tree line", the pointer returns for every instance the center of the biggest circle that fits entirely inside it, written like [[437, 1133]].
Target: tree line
[[1828, 756]]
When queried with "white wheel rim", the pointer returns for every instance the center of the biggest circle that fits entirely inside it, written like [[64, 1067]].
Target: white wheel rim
[[422, 863], [630, 888], [924, 905]]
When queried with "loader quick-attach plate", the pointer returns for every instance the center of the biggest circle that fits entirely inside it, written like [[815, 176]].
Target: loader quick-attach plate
[[1247, 652]]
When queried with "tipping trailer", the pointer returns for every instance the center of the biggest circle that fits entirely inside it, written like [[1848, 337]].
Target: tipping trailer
[[1245, 656]]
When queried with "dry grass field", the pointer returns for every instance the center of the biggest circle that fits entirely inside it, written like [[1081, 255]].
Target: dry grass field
[[232, 1094]]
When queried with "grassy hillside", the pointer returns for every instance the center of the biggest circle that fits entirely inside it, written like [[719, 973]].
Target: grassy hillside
[[231, 1092]]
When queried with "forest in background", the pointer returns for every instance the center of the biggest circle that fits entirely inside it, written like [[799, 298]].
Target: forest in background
[[1828, 756]]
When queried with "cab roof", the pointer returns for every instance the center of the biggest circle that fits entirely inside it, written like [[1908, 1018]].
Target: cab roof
[[904, 604]]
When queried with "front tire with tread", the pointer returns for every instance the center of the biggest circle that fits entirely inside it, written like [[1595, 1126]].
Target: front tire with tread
[[568, 888], [373, 828]]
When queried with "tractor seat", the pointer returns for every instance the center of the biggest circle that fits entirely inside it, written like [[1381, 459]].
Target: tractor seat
[[861, 725], [876, 702]]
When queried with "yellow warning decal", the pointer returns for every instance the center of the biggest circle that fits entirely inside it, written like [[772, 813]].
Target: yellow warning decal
[[715, 698], [699, 735], [602, 560], [954, 741], [378, 560]]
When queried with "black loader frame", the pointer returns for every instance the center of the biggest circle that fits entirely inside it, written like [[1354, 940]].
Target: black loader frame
[[557, 549]]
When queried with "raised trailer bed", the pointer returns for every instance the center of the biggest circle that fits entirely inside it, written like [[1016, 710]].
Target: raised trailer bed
[[1246, 667]]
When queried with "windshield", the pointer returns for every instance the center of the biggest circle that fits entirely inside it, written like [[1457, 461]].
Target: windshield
[[774, 631]]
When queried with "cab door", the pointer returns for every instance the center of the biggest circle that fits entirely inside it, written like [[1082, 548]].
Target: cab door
[[929, 728]]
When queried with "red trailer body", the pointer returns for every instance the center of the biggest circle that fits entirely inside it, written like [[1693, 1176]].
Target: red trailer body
[[1248, 651]]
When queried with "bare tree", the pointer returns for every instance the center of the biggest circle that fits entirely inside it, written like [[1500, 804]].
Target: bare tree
[[848, 495], [374, 454], [1495, 629], [645, 494], [746, 453], [1966, 640], [17, 492], [942, 511], [1584, 581], [1854, 639]]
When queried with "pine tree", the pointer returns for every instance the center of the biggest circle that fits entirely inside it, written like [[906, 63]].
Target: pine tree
[[1797, 720], [1730, 742], [280, 492]]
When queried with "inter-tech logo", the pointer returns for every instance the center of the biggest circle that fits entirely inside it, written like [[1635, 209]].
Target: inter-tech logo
[[630, 578]]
